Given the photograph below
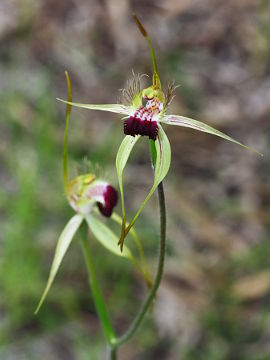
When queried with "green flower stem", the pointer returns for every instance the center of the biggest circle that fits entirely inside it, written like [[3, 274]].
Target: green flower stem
[[150, 297], [65, 152], [97, 296], [153, 152], [111, 338], [143, 267], [113, 353]]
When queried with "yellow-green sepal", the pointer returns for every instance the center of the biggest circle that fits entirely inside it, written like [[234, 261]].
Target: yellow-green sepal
[[106, 237], [61, 248], [114, 108], [200, 126], [109, 240], [162, 165], [121, 161]]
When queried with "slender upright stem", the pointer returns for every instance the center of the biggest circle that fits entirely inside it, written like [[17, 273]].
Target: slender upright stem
[[150, 297], [112, 340], [113, 353], [65, 151], [97, 295]]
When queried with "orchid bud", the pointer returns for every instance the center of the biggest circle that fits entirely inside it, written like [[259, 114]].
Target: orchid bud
[[85, 191]]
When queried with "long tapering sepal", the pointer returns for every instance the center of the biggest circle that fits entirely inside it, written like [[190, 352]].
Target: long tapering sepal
[[108, 239], [156, 80], [162, 165], [123, 154], [114, 108], [61, 248], [200, 126], [65, 152]]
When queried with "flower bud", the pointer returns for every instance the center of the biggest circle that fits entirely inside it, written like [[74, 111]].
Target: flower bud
[[85, 191]]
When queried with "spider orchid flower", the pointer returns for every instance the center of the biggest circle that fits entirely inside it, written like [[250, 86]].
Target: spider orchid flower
[[145, 110], [90, 197]]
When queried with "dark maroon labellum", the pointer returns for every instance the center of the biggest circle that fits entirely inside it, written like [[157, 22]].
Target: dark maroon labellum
[[110, 199], [135, 126]]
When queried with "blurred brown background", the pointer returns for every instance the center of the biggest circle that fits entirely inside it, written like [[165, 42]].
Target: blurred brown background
[[214, 302]]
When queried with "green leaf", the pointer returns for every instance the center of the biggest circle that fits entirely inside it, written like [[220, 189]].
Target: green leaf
[[121, 161], [163, 161], [61, 249], [115, 108], [200, 126]]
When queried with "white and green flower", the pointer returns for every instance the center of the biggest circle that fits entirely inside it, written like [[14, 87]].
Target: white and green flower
[[145, 111]]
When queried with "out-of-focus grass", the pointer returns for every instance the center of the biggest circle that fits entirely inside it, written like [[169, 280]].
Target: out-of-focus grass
[[33, 203]]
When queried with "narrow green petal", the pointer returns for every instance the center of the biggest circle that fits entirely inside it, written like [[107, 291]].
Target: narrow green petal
[[110, 241], [200, 126], [121, 161], [163, 161], [61, 249], [115, 108], [106, 237]]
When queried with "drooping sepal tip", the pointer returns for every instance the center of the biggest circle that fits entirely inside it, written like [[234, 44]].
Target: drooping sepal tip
[[121, 161], [139, 24], [65, 152], [200, 126], [122, 237], [62, 246], [69, 92]]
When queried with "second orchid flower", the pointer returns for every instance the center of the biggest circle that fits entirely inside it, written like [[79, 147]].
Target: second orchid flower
[[90, 197]]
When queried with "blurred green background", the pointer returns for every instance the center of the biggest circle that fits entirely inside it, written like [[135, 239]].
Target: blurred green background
[[214, 302]]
